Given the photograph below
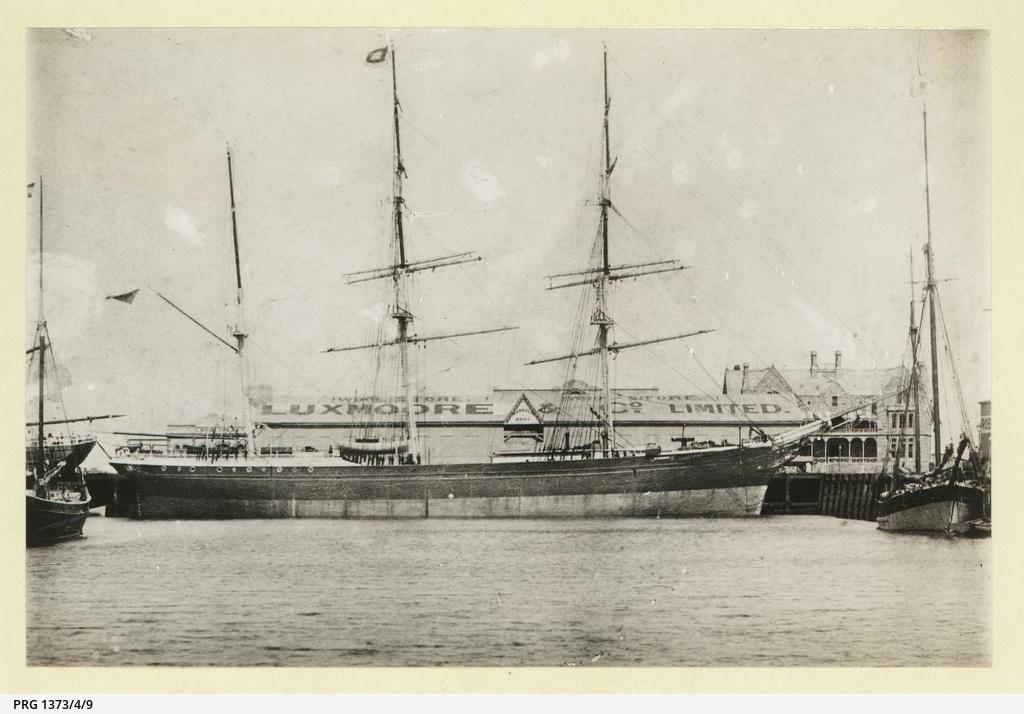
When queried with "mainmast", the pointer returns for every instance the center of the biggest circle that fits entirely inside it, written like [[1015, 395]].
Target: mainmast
[[601, 277], [239, 332], [936, 424], [600, 317]]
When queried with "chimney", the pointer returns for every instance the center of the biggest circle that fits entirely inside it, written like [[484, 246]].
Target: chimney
[[814, 361], [839, 360], [743, 383]]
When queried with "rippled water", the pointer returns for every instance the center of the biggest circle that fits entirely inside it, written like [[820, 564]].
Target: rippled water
[[797, 590]]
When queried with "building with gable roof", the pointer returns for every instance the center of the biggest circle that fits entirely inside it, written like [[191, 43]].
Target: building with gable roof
[[881, 423]]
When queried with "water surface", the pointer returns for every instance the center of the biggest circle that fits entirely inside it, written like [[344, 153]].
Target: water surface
[[772, 591]]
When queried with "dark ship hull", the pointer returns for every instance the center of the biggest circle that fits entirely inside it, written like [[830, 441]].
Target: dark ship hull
[[52, 521], [711, 482], [940, 508]]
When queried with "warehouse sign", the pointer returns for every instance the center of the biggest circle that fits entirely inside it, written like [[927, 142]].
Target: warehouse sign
[[523, 409]]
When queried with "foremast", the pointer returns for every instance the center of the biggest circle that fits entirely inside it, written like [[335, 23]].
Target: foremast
[[911, 393], [399, 272], [400, 276], [915, 373], [601, 277]]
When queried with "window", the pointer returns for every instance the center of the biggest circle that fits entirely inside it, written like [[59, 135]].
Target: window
[[835, 401], [904, 447]]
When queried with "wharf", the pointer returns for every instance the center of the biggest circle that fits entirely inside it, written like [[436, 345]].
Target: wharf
[[847, 495]]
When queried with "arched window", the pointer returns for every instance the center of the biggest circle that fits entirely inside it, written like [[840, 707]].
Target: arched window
[[870, 449], [838, 448], [819, 448], [856, 448]]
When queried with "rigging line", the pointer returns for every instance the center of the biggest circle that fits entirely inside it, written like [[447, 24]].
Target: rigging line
[[31, 358], [508, 117], [732, 401], [617, 437], [753, 219], [288, 365], [459, 164], [721, 220], [903, 386], [716, 314], [906, 378], [56, 380], [953, 372], [793, 398], [671, 367]]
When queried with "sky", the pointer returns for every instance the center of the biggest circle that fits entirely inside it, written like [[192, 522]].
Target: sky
[[785, 168]]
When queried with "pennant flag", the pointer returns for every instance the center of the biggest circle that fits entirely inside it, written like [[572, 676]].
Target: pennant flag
[[377, 56], [125, 297], [30, 187]]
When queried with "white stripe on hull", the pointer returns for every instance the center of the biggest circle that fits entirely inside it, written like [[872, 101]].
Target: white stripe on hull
[[722, 502], [930, 517]]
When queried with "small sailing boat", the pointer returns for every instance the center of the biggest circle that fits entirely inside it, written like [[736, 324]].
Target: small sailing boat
[[952, 497], [391, 478], [56, 498]]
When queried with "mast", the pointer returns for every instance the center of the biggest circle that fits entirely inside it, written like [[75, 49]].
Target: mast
[[399, 270], [601, 277], [239, 332], [936, 424], [911, 393], [914, 372], [41, 331], [600, 316], [400, 279]]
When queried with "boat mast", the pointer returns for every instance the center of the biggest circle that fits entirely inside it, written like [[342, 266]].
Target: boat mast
[[239, 332], [399, 270], [400, 279], [41, 330], [601, 277], [914, 374], [600, 317], [936, 425]]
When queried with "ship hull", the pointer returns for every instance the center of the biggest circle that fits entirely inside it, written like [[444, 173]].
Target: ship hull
[[729, 482], [937, 509], [48, 521]]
